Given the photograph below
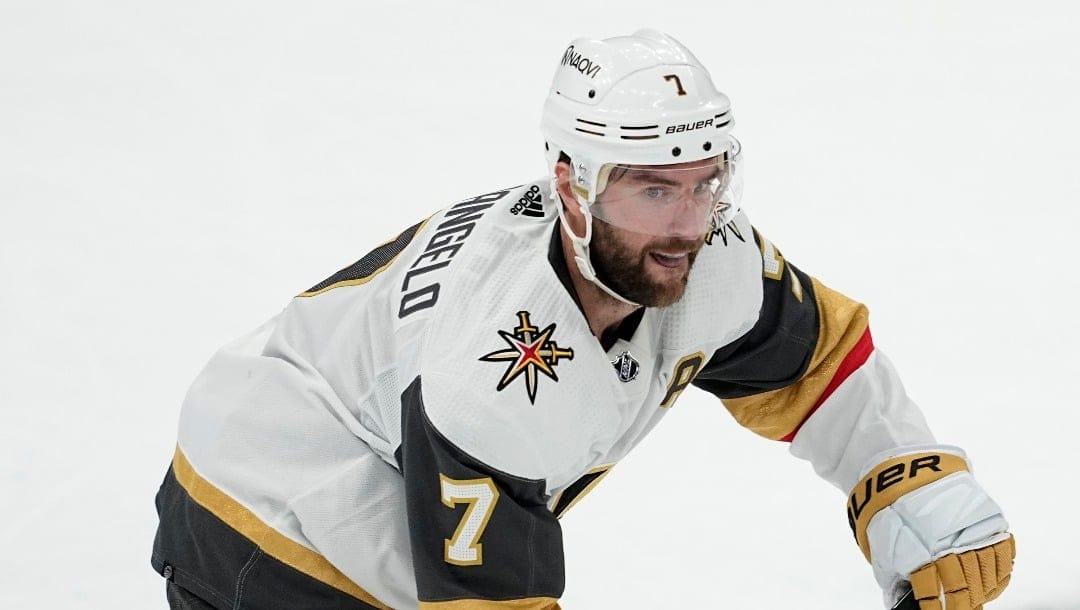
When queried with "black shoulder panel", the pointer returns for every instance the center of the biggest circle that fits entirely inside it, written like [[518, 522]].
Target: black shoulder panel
[[776, 352], [370, 264], [518, 551]]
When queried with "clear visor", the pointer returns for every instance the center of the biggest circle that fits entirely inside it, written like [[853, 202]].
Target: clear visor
[[684, 200]]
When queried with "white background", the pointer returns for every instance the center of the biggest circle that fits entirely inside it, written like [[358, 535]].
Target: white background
[[171, 174]]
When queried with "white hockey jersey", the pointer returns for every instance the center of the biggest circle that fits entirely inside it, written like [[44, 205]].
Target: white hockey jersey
[[407, 432]]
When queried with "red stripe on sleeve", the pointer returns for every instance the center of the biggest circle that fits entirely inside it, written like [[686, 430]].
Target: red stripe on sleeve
[[855, 358]]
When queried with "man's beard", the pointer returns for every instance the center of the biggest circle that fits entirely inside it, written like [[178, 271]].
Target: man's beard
[[624, 270]]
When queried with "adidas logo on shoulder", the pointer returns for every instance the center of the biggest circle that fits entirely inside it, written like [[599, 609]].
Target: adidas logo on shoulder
[[530, 204]]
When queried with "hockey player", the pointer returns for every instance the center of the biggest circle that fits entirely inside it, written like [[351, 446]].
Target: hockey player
[[409, 431]]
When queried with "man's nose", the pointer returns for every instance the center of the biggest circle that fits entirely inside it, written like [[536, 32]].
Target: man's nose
[[687, 220]]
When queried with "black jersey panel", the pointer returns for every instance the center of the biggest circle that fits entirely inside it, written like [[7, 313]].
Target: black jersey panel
[[206, 556], [777, 351], [476, 533]]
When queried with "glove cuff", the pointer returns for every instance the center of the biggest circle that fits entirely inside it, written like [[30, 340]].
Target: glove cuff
[[892, 478]]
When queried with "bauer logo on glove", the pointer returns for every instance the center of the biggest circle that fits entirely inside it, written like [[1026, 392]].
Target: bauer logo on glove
[[926, 526]]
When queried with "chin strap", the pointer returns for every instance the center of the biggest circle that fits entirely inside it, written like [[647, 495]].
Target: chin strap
[[581, 244]]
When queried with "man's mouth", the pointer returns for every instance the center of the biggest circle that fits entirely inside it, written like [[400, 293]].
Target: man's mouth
[[671, 260]]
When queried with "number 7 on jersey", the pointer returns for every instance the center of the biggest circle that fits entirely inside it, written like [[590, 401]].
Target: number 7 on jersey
[[464, 548]]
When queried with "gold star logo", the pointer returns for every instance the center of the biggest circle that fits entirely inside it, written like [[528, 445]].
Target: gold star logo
[[531, 351]]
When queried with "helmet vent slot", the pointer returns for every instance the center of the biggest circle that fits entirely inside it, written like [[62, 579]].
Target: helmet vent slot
[[589, 131], [639, 128]]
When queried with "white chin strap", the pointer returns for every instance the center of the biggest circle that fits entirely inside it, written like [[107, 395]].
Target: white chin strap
[[581, 244]]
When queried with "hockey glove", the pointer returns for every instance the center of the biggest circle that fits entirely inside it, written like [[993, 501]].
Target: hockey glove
[[924, 524]]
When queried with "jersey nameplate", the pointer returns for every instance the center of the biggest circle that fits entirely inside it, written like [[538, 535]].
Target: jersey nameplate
[[420, 293]]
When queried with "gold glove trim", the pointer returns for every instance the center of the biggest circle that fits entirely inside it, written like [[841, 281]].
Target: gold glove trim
[[967, 580], [891, 479]]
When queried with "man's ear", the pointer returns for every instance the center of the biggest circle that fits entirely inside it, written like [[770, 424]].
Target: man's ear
[[563, 175]]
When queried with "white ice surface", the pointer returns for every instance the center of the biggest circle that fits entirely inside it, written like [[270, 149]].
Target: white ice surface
[[172, 173]]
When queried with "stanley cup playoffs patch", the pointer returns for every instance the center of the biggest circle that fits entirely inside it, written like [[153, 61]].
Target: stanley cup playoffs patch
[[532, 351], [626, 367]]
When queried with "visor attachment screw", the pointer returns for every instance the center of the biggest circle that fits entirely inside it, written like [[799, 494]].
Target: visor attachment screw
[[707, 146], [675, 152]]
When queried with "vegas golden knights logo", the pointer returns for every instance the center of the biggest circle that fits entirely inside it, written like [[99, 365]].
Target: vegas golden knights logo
[[532, 351]]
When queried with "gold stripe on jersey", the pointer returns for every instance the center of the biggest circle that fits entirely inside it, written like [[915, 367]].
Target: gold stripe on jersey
[[773, 414], [600, 471], [796, 285], [527, 603], [771, 259], [367, 278], [270, 541]]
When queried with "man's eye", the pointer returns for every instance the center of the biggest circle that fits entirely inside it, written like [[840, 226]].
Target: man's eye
[[656, 192]]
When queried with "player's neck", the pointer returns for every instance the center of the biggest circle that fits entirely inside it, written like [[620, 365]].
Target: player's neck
[[602, 311]]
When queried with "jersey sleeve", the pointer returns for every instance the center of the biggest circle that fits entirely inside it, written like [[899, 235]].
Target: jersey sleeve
[[808, 373], [480, 537]]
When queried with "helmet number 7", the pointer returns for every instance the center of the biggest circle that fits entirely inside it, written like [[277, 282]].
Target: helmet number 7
[[678, 83]]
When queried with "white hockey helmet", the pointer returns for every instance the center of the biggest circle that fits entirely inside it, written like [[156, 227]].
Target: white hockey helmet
[[639, 103]]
